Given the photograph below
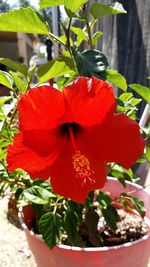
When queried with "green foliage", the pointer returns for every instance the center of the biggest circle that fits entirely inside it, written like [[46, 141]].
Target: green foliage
[[21, 85], [122, 174], [22, 68], [5, 79], [81, 35], [46, 3], [138, 204], [50, 228], [128, 104], [99, 10], [23, 20], [71, 223], [107, 209], [125, 97], [72, 6], [95, 37], [64, 80], [148, 153], [55, 68], [31, 73], [117, 79], [111, 216], [103, 199], [4, 99], [143, 91], [38, 195], [91, 63]]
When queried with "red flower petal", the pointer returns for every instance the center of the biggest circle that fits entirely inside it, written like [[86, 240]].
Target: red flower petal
[[90, 100], [118, 141], [36, 158], [65, 182], [41, 108]]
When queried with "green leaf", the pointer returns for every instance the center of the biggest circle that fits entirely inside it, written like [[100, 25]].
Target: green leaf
[[2, 118], [49, 227], [148, 153], [142, 91], [126, 105], [111, 216], [23, 20], [135, 101], [122, 174], [49, 3], [91, 63], [117, 79], [6, 79], [125, 96], [63, 39], [100, 10], [57, 67], [44, 184], [64, 80], [38, 195], [81, 35], [138, 203], [148, 77], [103, 199], [96, 36], [31, 73], [15, 66], [4, 99], [20, 84], [72, 6], [71, 222]]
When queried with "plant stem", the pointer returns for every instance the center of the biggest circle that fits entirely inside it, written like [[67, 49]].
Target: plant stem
[[13, 116], [52, 37], [88, 27], [68, 37], [2, 163], [49, 36]]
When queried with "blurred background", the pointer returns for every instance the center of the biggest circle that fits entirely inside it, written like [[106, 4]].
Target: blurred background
[[125, 40]]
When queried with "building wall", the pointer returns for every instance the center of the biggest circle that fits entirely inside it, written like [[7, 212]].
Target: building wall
[[126, 40], [9, 50]]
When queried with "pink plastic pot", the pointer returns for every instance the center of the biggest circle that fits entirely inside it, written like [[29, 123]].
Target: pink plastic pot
[[135, 254]]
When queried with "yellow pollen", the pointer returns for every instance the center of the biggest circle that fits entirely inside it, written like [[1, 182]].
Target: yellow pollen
[[81, 165]]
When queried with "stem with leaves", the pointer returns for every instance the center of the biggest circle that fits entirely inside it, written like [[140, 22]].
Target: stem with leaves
[[54, 39], [88, 28]]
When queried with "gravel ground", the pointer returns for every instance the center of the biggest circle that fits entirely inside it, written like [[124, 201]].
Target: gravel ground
[[14, 251]]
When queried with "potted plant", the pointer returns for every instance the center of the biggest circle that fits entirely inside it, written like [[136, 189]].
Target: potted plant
[[67, 140]]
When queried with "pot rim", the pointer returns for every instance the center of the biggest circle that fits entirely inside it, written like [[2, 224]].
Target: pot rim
[[106, 248]]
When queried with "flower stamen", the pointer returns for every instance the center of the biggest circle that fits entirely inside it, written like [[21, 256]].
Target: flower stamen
[[81, 165]]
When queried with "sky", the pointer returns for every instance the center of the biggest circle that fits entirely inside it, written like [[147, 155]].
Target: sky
[[33, 2]]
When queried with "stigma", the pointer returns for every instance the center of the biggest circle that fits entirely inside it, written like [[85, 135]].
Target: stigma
[[81, 165]]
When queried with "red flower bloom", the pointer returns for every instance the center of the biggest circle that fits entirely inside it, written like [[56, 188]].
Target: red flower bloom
[[70, 135]]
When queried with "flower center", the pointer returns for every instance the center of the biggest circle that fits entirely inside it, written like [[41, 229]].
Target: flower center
[[81, 163]]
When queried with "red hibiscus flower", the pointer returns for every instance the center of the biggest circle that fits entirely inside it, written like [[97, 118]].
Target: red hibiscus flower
[[70, 135]]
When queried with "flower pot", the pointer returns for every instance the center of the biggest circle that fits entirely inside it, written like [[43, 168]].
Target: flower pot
[[135, 254]]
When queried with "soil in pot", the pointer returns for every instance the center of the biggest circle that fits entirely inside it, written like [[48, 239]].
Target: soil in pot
[[130, 227]]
